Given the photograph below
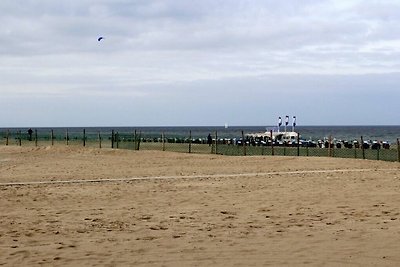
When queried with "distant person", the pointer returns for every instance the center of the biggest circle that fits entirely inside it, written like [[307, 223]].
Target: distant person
[[209, 139], [30, 132]]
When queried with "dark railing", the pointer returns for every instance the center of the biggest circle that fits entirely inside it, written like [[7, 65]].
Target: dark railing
[[239, 146]]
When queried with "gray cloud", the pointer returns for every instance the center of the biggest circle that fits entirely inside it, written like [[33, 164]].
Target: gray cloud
[[171, 48]]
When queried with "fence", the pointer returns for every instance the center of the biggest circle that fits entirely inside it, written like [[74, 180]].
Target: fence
[[164, 141]]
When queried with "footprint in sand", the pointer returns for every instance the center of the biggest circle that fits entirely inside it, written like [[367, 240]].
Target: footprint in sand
[[158, 227], [147, 238], [230, 217], [145, 217], [228, 212], [178, 235], [21, 254]]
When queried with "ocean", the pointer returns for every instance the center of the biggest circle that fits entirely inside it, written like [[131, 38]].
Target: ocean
[[378, 133]]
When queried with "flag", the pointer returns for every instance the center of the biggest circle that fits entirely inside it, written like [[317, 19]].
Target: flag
[[287, 120], [279, 121], [294, 121]]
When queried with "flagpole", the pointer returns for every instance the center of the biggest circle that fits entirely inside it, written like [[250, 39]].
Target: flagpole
[[279, 124], [294, 123], [286, 122]]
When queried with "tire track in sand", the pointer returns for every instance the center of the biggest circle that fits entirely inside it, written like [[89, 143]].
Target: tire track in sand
[[253, 174]]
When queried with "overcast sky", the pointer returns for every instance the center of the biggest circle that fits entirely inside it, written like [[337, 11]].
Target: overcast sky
[[199, 62]]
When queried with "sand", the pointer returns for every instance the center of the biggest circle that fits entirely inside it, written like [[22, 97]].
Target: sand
[[70, 206]]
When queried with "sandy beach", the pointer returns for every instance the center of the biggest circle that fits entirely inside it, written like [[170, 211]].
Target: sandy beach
[[73, 206]]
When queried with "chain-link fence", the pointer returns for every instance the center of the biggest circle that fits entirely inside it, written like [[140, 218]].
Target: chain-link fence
[[192, 143]]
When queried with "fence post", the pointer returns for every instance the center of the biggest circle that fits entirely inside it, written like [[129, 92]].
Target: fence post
[[19, 138], [362, 147], [134, 140], [398, 150], [52, 137], [117, 139], [298, 144], [36, 141], [284, 148], [112, 138], [190, 141], [329, 146], [84, 137], [163, 141], [99, 140], [139, 139], [216, 142], [243, 144], [67, 137], [7, 137], [272, 144], [211, 144]]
